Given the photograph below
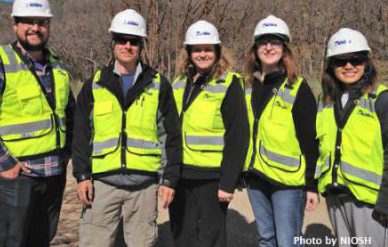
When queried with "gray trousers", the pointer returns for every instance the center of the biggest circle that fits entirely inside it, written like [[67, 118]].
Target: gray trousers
[[353, 223], [138, 209]]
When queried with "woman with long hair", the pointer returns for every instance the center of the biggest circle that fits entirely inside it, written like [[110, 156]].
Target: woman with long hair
[[352, 127], [281, 160], [210, 101]]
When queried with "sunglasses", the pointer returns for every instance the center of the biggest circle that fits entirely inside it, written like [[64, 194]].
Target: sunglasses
[[272, 42], [32, 22], [124, 41], [354, 61]]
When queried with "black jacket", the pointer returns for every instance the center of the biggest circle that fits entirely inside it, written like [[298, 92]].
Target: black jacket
[[304, 114], [236, 142], [168, 124]]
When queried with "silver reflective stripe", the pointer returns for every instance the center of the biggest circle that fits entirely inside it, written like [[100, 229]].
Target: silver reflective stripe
[[137, 143], [95, 86], [62, 121], [361, 173], [321, 106], [318, 170], [248, 91], [13, 66], [284, 160], [154, 85], [367, 104], [25, 127], [218, 88], [98, 147], [179, 85], [205, 140], [286, 96]]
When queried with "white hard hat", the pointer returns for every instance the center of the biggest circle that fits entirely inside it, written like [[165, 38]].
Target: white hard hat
[[26, 8], [129, 22], [202, 32], [272, 25], [346, 40]]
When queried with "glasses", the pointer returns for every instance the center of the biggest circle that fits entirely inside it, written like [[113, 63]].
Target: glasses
[[124, 41], [32, 22], [354, 61], [272, 42]]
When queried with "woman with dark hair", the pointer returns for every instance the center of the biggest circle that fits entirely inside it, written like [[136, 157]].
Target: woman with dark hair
[[352, 127], [210, 102], [283, 154]]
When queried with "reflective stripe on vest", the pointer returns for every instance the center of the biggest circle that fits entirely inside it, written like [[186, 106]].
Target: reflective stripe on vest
[[277, 154], [28, 124], [361, 150], [143, 150], [202, 125]]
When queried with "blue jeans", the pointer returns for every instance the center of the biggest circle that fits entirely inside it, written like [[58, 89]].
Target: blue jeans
[[278, 213]]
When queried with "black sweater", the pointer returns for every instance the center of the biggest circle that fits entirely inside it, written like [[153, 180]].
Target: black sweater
[[304, 114], [168, 119], [236, 142]]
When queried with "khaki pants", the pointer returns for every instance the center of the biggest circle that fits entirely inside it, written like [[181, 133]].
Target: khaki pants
[[138, 208]]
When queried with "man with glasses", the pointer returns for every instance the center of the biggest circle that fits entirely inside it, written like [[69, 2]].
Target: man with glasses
[[36, 108], [127, 143]]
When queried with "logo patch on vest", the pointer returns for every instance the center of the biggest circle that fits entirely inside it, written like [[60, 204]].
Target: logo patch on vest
[[278, 104], [365, 114]]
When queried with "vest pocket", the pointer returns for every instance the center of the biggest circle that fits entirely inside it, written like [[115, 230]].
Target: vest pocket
[[279, 161], [30, 100], [203, 112], [104, 118], [195, 142]]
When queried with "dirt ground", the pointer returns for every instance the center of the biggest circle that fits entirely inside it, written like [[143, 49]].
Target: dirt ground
[[240, 223]]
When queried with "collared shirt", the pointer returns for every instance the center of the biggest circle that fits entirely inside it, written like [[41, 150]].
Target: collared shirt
[[41, 167]]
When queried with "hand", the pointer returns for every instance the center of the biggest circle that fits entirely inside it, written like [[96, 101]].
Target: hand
[[14, 172], [224, 196], [85, 192], [311, 201], [166, 194]]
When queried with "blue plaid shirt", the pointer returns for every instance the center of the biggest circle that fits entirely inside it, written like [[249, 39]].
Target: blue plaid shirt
[[41, 167]]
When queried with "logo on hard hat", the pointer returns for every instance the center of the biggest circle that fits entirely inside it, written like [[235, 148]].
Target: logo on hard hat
[[342, 42], [270, 24], [34, 5], [199, 33], [131, 23]]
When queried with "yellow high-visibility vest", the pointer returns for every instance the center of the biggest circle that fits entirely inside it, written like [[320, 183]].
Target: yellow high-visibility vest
[[138, 125], [28, 125], [361, 152]]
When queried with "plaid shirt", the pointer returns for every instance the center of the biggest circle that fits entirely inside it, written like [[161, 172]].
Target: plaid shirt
[[41, 167]]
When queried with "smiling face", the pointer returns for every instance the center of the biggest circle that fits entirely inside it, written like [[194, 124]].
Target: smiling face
[[269, 51], [349, 68], [32, 32], [203, 57], [127, 48]]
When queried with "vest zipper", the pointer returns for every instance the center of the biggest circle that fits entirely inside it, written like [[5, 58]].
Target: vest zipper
[[254, 137], [275, 94], [123, 140]]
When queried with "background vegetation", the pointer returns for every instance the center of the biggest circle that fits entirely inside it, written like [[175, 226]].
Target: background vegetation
[[79, 30]]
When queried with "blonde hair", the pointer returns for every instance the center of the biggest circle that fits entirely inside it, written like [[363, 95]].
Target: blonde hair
[[223, 64], [252, 64]]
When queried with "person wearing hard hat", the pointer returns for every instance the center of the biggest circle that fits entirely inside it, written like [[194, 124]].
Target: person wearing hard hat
[[352, 127], [210, 101], [36, 111], [127, 142], [280, 165]]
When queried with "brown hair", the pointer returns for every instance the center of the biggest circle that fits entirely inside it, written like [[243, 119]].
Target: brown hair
[[330, 84], [224, 62], [253, 64]]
